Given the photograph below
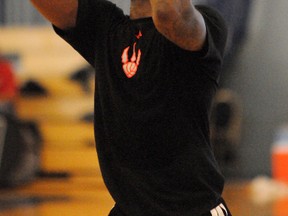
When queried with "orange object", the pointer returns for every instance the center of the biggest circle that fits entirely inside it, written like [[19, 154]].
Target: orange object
[[280, 163]]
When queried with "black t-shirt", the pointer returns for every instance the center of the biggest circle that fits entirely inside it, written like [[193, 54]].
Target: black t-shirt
[[152, 104]]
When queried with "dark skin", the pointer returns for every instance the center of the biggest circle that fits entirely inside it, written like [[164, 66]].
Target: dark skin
[[178, 20]]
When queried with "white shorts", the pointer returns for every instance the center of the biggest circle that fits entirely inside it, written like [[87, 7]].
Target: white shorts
[[219, 210]]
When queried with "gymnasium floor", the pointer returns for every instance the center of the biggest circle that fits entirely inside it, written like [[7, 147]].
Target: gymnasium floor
[[69, 142]]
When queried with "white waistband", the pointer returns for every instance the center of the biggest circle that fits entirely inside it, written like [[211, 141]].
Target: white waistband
[[220, 210]]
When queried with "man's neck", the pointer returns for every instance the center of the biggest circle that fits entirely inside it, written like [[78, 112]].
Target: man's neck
[[140, 9]]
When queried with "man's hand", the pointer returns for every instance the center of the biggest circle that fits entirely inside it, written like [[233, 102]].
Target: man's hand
[[62, 13], [180, 22]]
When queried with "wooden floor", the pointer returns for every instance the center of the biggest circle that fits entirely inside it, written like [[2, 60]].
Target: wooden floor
[[69, 142]]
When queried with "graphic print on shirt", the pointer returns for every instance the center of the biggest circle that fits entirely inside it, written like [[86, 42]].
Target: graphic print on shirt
[[130, 66]]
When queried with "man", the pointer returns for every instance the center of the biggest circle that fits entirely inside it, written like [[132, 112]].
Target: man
[[156, 74]]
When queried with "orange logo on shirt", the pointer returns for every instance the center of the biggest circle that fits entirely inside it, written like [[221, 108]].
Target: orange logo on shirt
[[130, 66]]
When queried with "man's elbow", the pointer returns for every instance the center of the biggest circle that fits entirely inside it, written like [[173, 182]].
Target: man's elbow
[[61, 14]]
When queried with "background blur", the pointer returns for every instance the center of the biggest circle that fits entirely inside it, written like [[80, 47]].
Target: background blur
[[249, 118], [255, 68]]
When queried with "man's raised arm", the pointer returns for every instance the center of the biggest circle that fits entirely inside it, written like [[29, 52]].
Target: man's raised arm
[[180, 22], [62, 13]]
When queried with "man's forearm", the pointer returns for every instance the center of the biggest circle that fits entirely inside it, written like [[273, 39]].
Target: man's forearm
[[61, 13], [180, 22]]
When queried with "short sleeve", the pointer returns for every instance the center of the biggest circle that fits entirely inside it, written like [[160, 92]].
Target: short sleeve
[[216, 29], [94, 19], [210, 58]]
